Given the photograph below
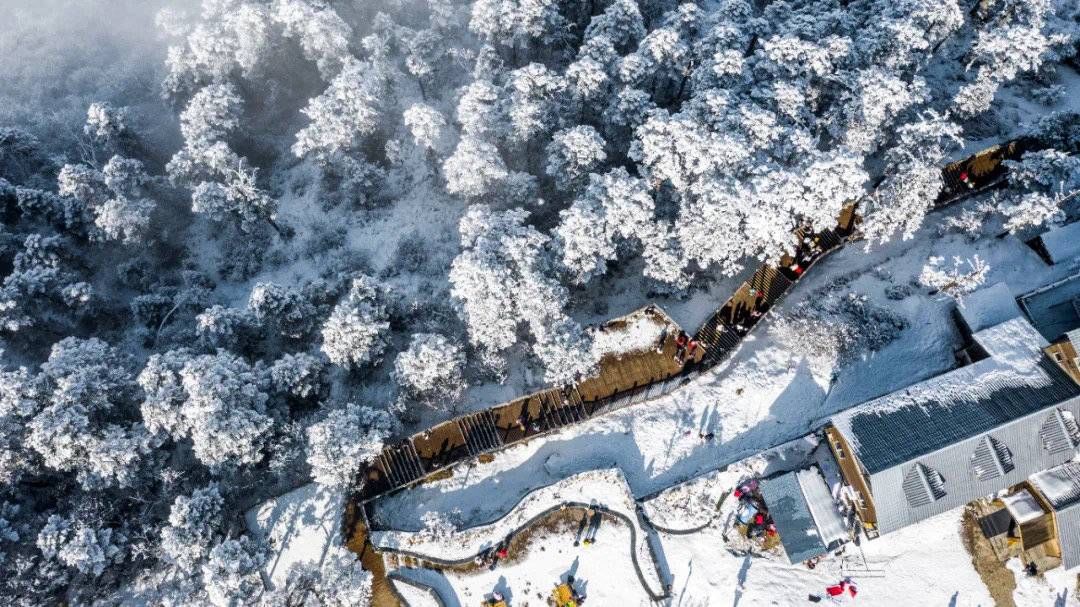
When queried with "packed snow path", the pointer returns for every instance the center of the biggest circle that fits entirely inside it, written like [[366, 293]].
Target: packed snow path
[[602, 491]]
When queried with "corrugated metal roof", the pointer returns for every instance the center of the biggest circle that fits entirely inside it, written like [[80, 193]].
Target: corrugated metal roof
[[931, 421], [787, 505], [959, 482], [968, 433], [1060, 486], [1068, 528], [1052, 308], [1016, 380]]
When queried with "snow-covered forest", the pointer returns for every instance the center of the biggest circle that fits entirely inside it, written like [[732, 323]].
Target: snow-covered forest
[[246, 242]]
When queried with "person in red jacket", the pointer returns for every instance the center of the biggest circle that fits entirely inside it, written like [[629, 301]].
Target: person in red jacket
[[680, 346], [844, 587], [964, 177]]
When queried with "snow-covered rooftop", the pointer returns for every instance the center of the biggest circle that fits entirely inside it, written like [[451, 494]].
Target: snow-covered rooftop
[[1052, 308], [1060, 486], [989, 306], [1062, 243], [1014, 381], [1022, 506], [804, 513]]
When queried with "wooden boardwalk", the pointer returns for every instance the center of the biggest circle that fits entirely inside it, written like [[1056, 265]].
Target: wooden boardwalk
[[620, 376], [356, 539], [628, 378]]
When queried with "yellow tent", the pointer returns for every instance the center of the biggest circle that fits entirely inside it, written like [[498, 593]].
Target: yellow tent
[[563, 596]]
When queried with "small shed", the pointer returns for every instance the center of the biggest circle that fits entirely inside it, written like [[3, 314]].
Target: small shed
[[1055, 308], [1060, 488], [1061, 243], [988, 307], [1034, 525], [805, 514]]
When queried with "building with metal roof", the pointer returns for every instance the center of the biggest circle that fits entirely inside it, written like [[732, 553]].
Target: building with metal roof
[[1055, 308], [1062, 243], [805, 515], [1060, 487], [971, 432], [988, 307]]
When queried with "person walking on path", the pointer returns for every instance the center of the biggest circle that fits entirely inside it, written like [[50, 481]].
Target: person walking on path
[[680, 346], [594, 526], [691, 350]]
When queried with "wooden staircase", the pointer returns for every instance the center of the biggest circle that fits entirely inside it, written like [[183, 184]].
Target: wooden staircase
[[480, 432], [400, 463]]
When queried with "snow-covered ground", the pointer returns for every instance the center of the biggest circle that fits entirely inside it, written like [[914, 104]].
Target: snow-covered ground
[[761, 397], [603, 571], [1055, 587], [926, 564], [923, 565], [758, 405], [299, 527]]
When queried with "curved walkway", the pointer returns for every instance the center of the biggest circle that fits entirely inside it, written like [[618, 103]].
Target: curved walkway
[[633, 525], [612, 498]]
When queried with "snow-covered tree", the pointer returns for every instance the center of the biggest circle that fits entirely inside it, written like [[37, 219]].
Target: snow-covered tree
[[300, 375], [347, 111], [1046, 180], [193, 525], [210, 115], [76, 430], [231, 572], [231, 37], [338, 580], [621, 24], [221, 327], [478, 109], [431, 369], [225, 410], [426, 125], [105, 123], [1033, 209], [518, 23], [613, 208], [572, 154], [475, 169], [345, 441], [164, 393], [535, 92], [285, 310], [964, 277], [87, 549], [355, 333], [224, 184], [503, 276], [323, 35], [914, 180], [342, 580]]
